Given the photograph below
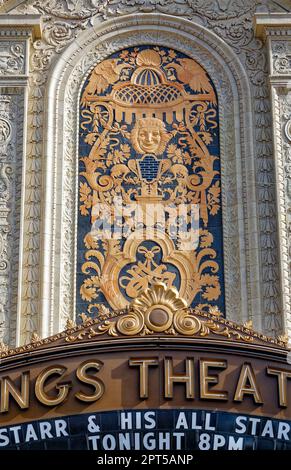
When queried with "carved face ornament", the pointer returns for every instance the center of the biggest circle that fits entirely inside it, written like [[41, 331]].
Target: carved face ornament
[[149, 135], [149, 139]]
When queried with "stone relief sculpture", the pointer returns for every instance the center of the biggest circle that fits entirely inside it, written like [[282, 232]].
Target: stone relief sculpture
[[11, 117], [149, 135]]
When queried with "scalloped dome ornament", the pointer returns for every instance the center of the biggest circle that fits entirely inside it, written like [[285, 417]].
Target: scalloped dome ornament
[[150, 91]]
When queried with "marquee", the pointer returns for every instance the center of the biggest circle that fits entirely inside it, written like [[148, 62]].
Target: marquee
[[200, 383]]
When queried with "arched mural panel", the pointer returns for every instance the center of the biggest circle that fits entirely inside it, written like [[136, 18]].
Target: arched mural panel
[[148, 163]]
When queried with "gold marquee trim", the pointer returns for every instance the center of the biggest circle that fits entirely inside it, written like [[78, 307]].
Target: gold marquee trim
[[157, 311], [161, 310]]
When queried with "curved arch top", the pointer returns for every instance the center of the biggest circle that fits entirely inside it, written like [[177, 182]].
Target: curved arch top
[[241, 247]]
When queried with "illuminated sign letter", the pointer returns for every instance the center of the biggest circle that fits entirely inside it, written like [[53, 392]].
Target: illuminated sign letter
[[63, 389], [187, 378], [21, 397], [206, 379], [247, 385], [143, 365], [87, 379]]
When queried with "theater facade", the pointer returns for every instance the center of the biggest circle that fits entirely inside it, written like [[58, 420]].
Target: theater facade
[[145, 281]]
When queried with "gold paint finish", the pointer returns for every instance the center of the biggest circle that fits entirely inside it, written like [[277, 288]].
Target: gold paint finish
[[174, 319], [142, 375], [149, 135], [84, 377], [282, 377], [40, 392], [8, 389], [143, 364], [247, 385], [206, 379], [171, 379]]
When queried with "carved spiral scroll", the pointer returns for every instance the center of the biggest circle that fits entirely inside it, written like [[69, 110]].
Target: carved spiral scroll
[[186, 324], [131, 324]]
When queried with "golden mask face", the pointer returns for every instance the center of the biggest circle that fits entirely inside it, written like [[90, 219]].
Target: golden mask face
[[149, 135], [149, 139]]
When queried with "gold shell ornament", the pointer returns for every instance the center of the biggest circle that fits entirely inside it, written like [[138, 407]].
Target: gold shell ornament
[[149, 58], [158, 306]]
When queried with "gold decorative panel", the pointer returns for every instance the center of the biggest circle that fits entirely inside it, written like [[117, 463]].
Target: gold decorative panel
[[149, 182]]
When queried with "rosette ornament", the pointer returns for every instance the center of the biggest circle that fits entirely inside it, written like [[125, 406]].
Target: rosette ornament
[[158, 307]]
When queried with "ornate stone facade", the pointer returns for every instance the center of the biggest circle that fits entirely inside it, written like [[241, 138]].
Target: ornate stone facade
[[57, 70], [14, 45], [277, 35], [11, 122]]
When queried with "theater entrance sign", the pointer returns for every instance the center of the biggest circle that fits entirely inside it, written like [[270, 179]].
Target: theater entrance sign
[[157, 376]]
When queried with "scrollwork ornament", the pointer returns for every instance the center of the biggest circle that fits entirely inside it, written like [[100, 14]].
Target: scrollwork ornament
[[97, 57], [252, 53], [5, 131], [186, 324], [124, 7], [161, 311], [288, 130], [12, 58], [11, 120], [131, 324], [58, 34], [1, 244], [74, 10], [71, 10], [281, 56], [3, 266], [282, 65], [221, 9], [283, 123]]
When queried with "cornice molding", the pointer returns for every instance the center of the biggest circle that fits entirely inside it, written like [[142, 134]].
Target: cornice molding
[[272, 23], [21, 26]]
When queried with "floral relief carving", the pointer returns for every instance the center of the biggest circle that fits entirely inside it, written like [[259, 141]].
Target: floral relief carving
[[12, 58], [56, 36], [5, 128], [131, 153], [252, 53], [5, 131], [221, 9], [74, 10], [11, 111], [288, 130], [71, 9], [123, 7], [281, 56], [212, 9], [68, 272], [285, 113]]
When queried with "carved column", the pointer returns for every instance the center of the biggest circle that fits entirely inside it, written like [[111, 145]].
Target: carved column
[[16, 34], [275, 29]]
